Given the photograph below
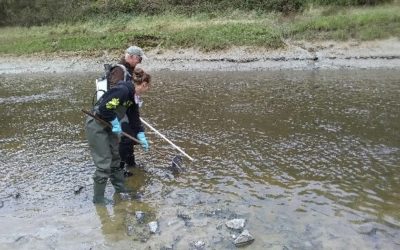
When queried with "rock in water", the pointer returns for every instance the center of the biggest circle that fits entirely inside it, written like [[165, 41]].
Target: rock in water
[[199, 245], [153, 226], [78, 189], [236, 224], [243, 239], [139, 216]]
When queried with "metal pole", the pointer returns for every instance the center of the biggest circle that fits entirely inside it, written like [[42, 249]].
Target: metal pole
[[165, 138]]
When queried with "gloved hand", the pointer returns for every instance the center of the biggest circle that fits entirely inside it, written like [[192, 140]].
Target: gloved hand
[[143, 141], [116, 126]]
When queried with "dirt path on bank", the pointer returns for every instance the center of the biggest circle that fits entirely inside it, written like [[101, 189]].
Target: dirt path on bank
[[296, 55]]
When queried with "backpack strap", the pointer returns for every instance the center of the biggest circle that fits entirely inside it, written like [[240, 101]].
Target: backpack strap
[[108, 68], [126, 73]]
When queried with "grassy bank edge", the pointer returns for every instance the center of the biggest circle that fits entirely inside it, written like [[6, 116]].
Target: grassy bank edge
[[205, 32]]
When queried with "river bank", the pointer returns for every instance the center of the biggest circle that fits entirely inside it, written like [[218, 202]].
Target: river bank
[[298, 55]]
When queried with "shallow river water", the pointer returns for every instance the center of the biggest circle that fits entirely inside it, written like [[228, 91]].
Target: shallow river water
[[310, 159]]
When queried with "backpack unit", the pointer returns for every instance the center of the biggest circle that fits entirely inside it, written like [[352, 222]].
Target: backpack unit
[[103, 84]]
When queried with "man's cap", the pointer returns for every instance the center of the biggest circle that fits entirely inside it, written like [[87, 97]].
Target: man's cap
[[135, 50]]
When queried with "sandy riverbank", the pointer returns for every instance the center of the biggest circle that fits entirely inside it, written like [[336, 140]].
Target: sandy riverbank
[[296, 55]]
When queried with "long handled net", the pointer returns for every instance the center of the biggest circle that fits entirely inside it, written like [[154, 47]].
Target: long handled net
[[177, 161]]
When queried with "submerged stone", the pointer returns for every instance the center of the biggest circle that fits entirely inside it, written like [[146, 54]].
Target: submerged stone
[[245, 238], [78, 189], [183, 216], [236, 224], [153, 227], [167, 247], [221, 214], [199, 244], [367, 229], [139, 215]]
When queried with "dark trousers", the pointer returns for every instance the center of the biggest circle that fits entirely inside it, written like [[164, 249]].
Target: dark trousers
[[126, 149]]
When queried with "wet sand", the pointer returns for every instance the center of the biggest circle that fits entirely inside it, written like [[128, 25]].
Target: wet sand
[[296, 55]]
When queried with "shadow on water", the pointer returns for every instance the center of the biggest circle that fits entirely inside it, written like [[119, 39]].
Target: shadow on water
[[309, 159]]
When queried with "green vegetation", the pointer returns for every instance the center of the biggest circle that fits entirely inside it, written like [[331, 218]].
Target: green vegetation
[[207, 30], [41, 12], [343, 24]]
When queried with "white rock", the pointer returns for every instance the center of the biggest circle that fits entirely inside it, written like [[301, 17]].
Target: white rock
[[153, 226], [139, 215], [244, 238], [199, 244], [236, 224]]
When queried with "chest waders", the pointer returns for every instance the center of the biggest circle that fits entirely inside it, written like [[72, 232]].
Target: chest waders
[[103, 145], [125, 145]]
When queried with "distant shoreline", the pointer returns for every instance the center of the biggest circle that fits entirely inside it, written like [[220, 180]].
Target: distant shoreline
[[296, 55]]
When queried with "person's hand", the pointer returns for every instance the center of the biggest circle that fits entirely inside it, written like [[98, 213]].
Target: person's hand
[[116, 126], [143, 141]]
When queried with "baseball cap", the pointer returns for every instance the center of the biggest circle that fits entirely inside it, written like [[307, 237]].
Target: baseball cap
[[135, 50]]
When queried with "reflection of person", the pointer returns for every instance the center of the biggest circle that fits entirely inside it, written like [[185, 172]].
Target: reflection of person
[[126, 219], [103, 141], [133, 56], [112, 222]]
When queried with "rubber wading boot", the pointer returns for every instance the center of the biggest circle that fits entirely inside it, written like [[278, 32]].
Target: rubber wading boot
[[127, 173], [130, 162], [124, 193], [98, 194], [118, 181]]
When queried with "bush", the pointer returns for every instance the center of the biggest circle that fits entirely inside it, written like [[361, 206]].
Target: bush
[[350, 2], [39, 12], [193, 6]]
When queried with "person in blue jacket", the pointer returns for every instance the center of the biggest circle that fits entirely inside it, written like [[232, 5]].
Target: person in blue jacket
[[104, 141]]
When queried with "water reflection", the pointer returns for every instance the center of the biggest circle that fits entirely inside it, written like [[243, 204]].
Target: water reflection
[[308, 158], [123, 220]]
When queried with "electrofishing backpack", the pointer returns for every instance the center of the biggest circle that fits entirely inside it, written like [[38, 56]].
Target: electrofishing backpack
[[103, 83]]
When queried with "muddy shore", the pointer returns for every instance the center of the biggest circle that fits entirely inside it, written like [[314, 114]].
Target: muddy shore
[[296, 55]]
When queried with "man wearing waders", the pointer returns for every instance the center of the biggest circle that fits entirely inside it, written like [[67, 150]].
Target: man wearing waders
[[133, 56], [103, 140]]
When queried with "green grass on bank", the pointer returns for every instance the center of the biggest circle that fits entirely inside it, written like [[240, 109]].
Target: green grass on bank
[[204, 31], [358, 23]]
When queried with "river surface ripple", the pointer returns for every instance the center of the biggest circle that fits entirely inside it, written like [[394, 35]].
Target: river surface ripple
[[309, 158]]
